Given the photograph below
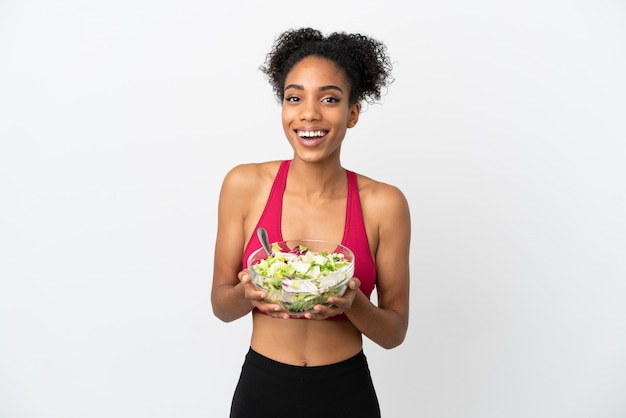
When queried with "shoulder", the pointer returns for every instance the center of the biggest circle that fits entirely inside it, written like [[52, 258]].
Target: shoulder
[[245, 188], [379, 196], [250, 176], [386, 215]]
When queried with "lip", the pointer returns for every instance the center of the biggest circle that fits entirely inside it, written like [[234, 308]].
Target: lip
[[313, 141]]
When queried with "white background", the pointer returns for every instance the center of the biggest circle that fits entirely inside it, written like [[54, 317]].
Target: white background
[[505, 129]]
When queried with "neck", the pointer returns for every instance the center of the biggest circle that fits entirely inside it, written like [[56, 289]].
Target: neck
[[316, 179]]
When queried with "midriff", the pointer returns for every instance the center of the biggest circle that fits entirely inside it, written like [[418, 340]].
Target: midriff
[[304, 342]]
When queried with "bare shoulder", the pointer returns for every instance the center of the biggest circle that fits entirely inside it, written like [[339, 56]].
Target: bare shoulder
[[386, 216], [387, 221], [380, 197], [246, 178]]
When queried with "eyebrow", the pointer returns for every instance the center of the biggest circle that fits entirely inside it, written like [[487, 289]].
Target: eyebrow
[[323, 88]]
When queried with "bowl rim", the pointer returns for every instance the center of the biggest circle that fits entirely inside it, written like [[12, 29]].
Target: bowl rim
[[338, 244], [260, 249]]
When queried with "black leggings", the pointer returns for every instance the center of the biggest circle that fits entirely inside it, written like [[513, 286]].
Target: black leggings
[[268, 388]]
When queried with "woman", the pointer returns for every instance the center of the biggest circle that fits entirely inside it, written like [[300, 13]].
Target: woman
[[314, 365]]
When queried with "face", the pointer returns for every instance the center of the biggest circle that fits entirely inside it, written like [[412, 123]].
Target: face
[[316, 111]]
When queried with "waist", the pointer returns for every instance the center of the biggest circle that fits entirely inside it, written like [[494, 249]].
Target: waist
[[289, 371], [304, 342]]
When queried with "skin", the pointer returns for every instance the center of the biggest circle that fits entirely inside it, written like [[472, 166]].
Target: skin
[[316, 99]]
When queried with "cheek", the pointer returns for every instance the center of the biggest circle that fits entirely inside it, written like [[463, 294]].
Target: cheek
[[345, 120], [285, 119], [286, 122], [287, 114]]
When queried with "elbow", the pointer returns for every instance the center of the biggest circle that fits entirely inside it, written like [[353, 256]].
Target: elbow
[[397, 337], [223, 314], [220, 309], [221, 317], [226, 312], [392, 342]]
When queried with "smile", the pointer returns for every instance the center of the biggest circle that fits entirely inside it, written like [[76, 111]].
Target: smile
[[311, 134]]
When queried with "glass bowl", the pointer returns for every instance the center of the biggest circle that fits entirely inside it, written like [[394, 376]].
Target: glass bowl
[[300, 274]]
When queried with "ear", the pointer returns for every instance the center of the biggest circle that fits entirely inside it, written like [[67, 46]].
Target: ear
[[353, 117]]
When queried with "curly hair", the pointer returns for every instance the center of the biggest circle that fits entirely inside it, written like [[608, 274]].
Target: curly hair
[[364, 60]]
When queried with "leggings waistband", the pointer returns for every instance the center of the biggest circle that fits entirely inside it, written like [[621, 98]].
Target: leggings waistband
[[355, 362]]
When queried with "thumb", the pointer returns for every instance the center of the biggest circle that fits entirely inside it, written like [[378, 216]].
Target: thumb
[[354, 283]]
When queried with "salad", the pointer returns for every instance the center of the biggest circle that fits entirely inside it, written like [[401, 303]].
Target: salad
[[299, 279]]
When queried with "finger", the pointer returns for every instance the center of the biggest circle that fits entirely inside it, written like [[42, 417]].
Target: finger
[[315, 315], [252, 292], [269, 308]]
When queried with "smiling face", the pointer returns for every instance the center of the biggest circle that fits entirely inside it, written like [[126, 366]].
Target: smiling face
[[316, 110]]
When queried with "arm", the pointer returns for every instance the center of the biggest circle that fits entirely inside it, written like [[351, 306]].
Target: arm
[[241, 200], [387, 215], [387, 323], [227, 292]]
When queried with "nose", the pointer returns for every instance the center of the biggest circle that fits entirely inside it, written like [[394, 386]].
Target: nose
[[310, 110]]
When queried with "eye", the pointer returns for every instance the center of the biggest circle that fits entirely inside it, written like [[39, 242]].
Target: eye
[[330, 100], [292, 99]]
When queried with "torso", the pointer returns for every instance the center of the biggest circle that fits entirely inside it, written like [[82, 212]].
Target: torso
[[310, 342]]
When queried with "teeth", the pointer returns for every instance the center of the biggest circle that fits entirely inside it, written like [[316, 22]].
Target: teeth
[[311, 134]]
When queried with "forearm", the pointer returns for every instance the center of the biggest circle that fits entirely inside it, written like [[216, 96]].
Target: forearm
[[229, 302], [385, 327]]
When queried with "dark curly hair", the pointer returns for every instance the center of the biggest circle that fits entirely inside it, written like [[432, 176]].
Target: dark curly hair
[[363, 59]]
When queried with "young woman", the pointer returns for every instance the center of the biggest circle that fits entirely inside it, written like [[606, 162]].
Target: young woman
[[314, 365]]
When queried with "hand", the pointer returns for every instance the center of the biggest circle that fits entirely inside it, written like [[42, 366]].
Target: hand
[[257, 297], [337, 305]]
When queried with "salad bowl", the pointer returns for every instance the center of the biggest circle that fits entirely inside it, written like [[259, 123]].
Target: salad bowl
[[299, 274]]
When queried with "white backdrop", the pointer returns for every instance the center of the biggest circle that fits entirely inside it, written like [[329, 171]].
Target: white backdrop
[[505, 129]]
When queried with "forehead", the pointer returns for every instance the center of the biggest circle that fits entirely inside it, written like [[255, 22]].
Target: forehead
[[316, 70]]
